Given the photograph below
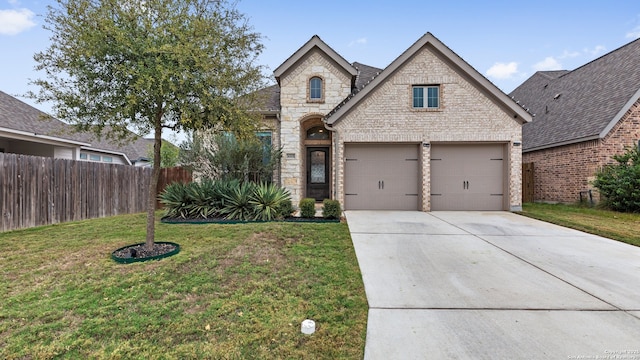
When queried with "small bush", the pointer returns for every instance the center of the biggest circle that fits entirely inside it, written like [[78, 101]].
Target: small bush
[[285, 209], [308, 208], [620, 183], [331, 209]]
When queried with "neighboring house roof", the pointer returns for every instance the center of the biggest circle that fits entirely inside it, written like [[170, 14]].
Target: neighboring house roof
[[315, 41], [21, 119], [17, 117], [474, 76], [583, 104]]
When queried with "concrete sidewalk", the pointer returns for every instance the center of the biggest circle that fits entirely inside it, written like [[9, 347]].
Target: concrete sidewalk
[[494, 285]]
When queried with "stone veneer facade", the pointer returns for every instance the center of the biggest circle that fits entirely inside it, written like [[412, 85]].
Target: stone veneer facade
[[298, 112], [560, 173], [466, 115]]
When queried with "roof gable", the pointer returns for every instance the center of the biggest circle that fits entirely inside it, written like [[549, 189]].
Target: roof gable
[[583, 104], [429, 40], [314, 42]]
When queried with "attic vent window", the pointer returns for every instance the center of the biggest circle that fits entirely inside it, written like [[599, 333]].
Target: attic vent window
[[557, 96]]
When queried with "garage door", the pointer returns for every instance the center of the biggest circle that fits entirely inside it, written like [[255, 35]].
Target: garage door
[[467, 177], [381, 177]]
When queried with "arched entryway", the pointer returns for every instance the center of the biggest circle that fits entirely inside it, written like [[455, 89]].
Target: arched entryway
[[317, 164]]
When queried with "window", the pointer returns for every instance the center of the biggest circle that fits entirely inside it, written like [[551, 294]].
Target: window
[[265, 138], [426, 97], [94, 157], [83, 156], [107, 159], [315, 89], [317, 133]]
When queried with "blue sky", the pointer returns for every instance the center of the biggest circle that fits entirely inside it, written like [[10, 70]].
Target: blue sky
[[507, 41]]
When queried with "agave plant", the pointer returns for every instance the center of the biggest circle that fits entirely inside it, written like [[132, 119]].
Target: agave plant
[[267, 200], [237, 203], [176, 200], [203, 202]]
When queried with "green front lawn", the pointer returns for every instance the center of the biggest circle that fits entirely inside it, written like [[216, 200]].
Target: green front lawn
[[233, 292], [610, 224]]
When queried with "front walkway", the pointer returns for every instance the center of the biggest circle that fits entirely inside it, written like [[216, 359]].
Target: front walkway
[[494, 285]]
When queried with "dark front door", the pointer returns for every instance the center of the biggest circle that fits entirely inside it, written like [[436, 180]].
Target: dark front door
[[318, 173]]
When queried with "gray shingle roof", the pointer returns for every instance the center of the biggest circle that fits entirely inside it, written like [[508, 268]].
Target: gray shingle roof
[[20, 116], [579, 105]]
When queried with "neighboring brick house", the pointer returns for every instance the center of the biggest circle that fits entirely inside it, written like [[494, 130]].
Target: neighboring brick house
[[428, 132], [27, 130], [581, 119]]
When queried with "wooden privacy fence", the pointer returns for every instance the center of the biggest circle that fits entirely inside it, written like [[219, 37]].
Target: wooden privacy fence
[[527, 182], [38, 191], [170, 175]]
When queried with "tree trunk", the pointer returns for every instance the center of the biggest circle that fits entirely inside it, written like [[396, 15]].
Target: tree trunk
[[153, 186]]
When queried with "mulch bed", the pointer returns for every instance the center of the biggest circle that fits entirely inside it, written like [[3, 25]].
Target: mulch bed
[[227, 221], [139, 252]]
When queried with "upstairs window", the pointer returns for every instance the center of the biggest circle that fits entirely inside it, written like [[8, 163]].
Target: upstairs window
[[315, 89], [426, 97]]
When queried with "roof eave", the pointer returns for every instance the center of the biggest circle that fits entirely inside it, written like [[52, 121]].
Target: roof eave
[[562, 143], [29, 136]]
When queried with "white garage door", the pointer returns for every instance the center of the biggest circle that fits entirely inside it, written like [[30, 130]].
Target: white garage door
[[467, 177], [381, 177]]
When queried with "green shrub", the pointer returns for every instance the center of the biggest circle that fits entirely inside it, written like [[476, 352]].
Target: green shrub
[[225, 156], [285, 208], [331, 209], [266, 199], [308, 208], [176, 200], [203, 200], [237, 203], [619, 183], [231, 199]]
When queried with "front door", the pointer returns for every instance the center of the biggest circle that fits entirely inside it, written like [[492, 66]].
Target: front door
[[318, 173]]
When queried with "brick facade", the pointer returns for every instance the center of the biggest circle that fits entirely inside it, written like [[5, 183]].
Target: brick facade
[[466, 114], [560, 173]]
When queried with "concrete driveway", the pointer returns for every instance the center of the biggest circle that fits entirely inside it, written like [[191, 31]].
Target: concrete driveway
[[494, 285]]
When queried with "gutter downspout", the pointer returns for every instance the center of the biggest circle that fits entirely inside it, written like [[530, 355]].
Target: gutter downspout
[[334, 168]]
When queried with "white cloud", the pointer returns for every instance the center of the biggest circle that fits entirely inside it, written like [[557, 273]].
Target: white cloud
[[597, 50], [503, 70], [13, 22], [549, 63], [635, 32], [569, 54], [361, 41]]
